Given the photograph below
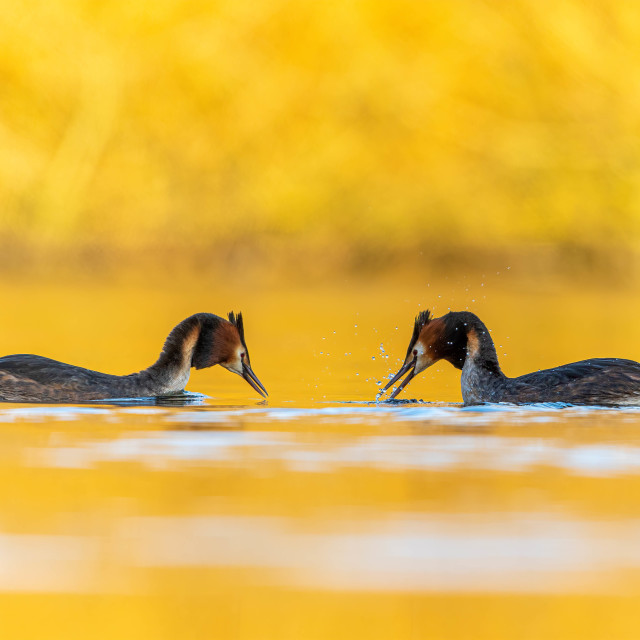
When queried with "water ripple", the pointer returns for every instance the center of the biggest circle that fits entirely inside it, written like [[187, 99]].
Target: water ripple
[[489, 552], [345, 412], [428, 452]]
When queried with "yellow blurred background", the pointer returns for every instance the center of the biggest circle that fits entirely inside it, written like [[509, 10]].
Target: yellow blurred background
[[300, 140], [347, 164]]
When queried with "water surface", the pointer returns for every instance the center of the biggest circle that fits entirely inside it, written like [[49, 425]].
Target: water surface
[[316, 513]]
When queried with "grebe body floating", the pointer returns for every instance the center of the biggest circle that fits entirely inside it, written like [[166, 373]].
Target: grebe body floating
[[202, 340], [461, 338]]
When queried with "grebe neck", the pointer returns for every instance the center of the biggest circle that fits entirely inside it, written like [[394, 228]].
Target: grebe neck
[[188, 344], [481, 350], [482, 379]]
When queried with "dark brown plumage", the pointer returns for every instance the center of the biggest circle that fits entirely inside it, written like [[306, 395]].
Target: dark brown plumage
[[202, 340], [461, 338], [422, 319]]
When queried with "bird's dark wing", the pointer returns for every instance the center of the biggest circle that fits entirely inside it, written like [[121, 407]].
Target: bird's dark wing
[[47, 371], [595, 381]]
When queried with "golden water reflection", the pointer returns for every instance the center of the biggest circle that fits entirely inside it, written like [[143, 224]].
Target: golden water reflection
[[336, 506]]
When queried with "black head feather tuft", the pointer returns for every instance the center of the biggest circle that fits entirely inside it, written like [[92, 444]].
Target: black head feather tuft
[[236, 321], [422, 319]]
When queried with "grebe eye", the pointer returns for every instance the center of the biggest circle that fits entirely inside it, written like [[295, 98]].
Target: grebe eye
[[415, 352], [242, 355]]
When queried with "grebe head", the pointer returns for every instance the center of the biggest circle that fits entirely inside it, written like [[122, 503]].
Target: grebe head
[[433, 339], [226, 346]]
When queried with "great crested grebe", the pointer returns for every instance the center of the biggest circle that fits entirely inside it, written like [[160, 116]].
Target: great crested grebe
[[202, 340], [461, 338]]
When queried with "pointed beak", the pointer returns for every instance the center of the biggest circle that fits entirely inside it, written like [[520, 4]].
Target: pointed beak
[[252, 379], [411, 368]]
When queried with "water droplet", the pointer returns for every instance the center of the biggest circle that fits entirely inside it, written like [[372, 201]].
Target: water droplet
[[373, 357]]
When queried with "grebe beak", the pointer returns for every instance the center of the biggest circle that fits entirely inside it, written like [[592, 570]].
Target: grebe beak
[[252, 379], [411, 368]]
